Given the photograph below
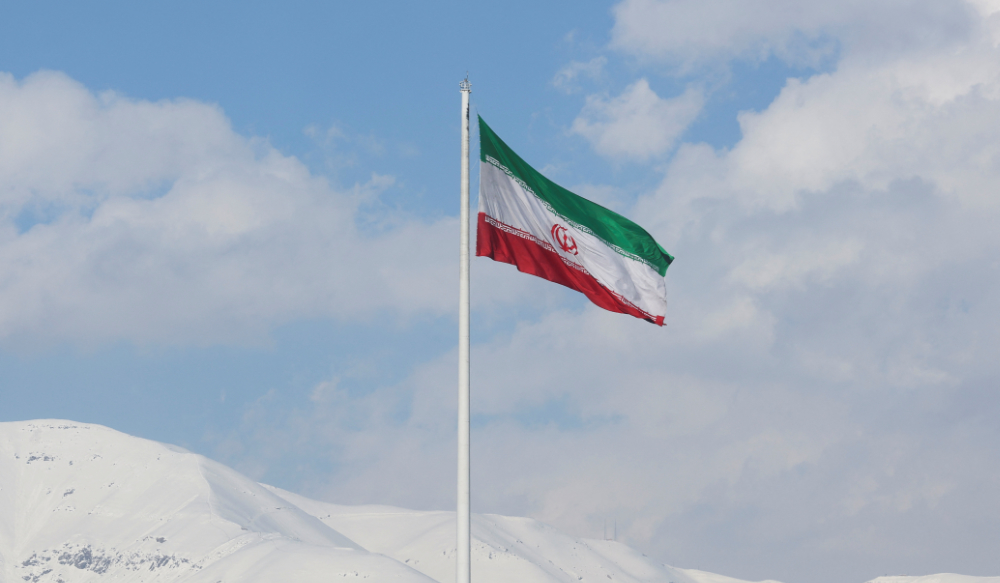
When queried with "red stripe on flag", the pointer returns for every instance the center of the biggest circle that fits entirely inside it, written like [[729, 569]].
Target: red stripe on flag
[[533, 256]]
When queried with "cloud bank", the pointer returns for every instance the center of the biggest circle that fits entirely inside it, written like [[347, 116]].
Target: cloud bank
[[638, 124], [124, 219], [688, 33]]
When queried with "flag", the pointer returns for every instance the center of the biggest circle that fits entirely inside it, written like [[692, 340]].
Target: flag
[[545, 230]]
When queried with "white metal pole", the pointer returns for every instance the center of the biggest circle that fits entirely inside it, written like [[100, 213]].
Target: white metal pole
[[464, 566]]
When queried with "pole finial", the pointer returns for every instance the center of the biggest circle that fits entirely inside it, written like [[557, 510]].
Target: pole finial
[[465, 85]]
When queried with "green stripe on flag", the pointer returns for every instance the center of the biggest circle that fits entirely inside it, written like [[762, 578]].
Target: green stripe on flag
[[614, 230]]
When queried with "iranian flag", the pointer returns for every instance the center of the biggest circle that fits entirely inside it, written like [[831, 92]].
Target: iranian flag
[[543, 229]]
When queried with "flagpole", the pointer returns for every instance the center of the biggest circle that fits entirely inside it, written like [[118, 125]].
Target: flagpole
[[464, 548]]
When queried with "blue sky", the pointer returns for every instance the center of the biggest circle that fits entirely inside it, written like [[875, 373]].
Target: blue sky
[[232, 226]]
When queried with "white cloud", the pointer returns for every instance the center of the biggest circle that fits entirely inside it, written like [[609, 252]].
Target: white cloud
[[566, 78], [155, 222], [763, 269], [687, 33], [933, 119], [638, 124]]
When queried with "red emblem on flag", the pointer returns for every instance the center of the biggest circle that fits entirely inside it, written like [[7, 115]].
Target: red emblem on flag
[[564, 239]]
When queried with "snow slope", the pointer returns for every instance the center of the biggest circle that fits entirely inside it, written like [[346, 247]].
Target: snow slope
[[939, 578], [83, 503], [504, 548]]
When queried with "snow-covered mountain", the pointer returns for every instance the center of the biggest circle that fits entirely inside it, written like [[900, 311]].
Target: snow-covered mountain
[[504, 548], [82, 502], [939, 578]]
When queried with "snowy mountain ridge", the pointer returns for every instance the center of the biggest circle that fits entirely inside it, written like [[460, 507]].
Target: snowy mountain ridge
[[84, 503], [939, 578]]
